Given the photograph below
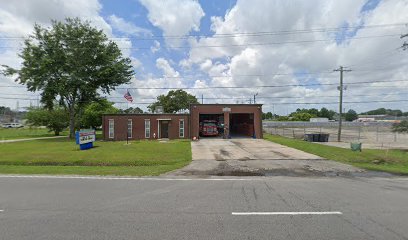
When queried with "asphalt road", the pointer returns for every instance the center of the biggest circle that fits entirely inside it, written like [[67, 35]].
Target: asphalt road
[[80, 208]]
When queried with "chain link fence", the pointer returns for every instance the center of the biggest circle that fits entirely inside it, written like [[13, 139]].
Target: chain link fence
[[378, 133]]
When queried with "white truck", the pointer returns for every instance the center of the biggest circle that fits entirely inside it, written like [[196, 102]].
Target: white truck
[[12, 125]]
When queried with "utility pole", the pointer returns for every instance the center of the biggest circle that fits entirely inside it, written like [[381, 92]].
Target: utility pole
[[273, 112], [341, 88], [202, 98], [255, 98], [250, 101]]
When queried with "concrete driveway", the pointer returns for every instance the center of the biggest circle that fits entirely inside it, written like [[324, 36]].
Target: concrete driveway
[[258, 157]]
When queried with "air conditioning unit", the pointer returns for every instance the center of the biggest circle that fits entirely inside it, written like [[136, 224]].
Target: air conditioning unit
[[158, 109]]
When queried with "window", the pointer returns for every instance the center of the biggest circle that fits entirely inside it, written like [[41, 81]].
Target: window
[[111, 131], [181, 128], [129, 128], [147, 128]]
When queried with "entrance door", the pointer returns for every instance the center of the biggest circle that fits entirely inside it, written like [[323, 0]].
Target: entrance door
[[164, 129]]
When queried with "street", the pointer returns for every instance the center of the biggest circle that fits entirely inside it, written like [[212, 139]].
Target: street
[[41, 207]]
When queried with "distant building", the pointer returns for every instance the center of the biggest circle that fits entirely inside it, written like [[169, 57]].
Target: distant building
[[380, 118], [365, 119], [319, 120]]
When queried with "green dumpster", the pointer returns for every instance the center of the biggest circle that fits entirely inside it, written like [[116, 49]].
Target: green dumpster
[[356, 146]]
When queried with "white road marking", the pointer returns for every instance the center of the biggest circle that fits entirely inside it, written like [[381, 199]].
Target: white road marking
[[284, 213], [1, 210]]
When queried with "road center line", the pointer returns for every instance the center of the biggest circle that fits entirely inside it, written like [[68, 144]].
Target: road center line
[[284, 213]]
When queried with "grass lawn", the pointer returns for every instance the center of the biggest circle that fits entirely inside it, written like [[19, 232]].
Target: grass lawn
[[18, 133], [62, 156], [393, 161]]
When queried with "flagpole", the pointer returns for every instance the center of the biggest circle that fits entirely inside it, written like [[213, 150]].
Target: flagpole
[[127, 102]]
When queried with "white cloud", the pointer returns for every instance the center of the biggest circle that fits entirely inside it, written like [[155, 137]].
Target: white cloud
[[206, 65], [136, 63], [174, 17], [262, 63], [126, 27], [372, 59], [18, 18], [155, 47], [168, 70]]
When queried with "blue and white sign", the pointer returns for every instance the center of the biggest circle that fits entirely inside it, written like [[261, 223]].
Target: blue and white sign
[[85, 138]]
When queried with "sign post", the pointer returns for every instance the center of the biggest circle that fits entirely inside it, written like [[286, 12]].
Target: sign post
[[85, 138]]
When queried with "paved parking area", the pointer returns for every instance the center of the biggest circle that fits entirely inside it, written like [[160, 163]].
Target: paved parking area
[[258, 157]]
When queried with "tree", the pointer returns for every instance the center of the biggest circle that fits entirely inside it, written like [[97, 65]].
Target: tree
[[324, 112], [55, 120], [383, 111], [92, 115], [174, 101], [301, 116], [351, 115], [267, 115], [313, 111], [401, 127], [404, 44], [70, 62], [4, 110], [283, 118]]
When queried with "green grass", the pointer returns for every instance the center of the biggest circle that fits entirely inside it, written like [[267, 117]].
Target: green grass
[[393, 161], [18, 133], [90, 170], [62, 156]]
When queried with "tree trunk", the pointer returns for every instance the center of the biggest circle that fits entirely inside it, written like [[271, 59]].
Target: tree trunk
[[56, 132], [71, 122]]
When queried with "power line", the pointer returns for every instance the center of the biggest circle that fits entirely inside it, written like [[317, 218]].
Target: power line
[[272, 74], [329, 103], [259, 86], [245, 34], [241, 45], [260, 97], [268, 103], [251, 75]]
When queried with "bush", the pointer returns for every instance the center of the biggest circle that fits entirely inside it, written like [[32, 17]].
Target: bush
[[401, 127]]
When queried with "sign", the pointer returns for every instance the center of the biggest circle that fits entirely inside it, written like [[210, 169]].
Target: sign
[[226, 109], [85, 138]]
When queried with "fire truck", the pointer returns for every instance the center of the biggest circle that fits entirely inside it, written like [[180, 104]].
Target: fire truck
[[208, 128]]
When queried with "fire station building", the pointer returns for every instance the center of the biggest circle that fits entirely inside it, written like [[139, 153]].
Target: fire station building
[[232, 121]]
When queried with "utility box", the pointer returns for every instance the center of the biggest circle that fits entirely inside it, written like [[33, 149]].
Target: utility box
[[317, 137], [356, 147]]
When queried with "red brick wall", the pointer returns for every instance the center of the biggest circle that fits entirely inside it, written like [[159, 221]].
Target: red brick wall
[[197, 109], [138, 125]]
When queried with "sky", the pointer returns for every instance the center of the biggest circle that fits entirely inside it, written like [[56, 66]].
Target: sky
[[284, 52]]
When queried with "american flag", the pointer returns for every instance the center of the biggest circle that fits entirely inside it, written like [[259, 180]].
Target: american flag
[[128, 96]]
